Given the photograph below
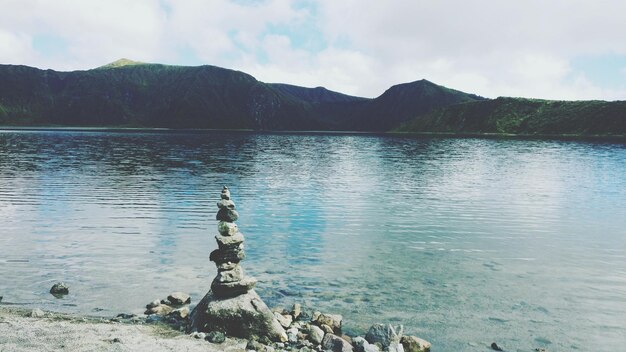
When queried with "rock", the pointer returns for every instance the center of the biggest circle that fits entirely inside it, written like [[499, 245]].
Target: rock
[[166, 302], [224, 255], [372, 348], [332, 320], [36, 313], [495, 347], [327, 329], [241, 316], [395, 347], [284, 320], [226, 203], [116, 340], [229, 241], [315, 334], [383, 334], [60, 288], [1, 297], [316, 315], [153, 304], [336, 344], [232, 275], [361, 345], [180, 313], [414, 344], [198, 335], [347, 338], [154, 318], [227, 228], [125, 316], [231, 289], [292, 335], [258, 346], [215, 337], [228, 215], [296, 310], [161, 309], [225, 193], [179, 298]]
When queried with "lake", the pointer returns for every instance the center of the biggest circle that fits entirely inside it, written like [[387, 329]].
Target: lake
[[465, 241]]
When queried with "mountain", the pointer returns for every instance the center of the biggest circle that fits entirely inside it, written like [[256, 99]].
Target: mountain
[[526, 117], [403, 102], [127, 93]]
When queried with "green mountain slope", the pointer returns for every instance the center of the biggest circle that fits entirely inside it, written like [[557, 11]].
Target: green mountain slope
[[525, 116]]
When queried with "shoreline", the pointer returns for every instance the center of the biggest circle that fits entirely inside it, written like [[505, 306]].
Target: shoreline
[[157, 130]]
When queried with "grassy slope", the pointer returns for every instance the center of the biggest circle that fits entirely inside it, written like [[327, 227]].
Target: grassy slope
[[525, 116]]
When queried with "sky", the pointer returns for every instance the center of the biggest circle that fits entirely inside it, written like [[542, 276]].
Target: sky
[[551, 49]]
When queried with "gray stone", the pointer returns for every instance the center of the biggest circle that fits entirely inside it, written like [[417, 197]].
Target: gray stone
[[231, 289], [198, 335], [292, 335], [153, 304], [179, 298], [495, 347], [229, 241], [414, 344], [315, 334], [359, 344], [372, 348], [225, 193], [229, 254], [227, 228], [228, 215], [60, 288], [226, 203], [332, 320], [216, 337], [336, 344], [395, 347], [232, 275], [296, 310], [226, 266], [327, 329], [36, 313], [180, 313], [383, 334], [243, 316], [284, 320], [161, 309]]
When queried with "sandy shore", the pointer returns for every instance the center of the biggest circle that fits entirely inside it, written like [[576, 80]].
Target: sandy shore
[[58, 332]]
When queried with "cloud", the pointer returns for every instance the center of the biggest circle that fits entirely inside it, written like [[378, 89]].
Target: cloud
[[488, 47]]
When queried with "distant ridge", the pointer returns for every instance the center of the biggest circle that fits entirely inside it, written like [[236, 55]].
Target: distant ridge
[[128, 93]]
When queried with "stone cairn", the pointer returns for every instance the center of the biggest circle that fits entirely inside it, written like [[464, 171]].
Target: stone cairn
[[232, 306], [230, 280]]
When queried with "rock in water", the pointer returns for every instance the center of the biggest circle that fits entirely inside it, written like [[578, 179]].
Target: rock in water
[[232, 306], [495, 347], [244, 316], [60, 288]]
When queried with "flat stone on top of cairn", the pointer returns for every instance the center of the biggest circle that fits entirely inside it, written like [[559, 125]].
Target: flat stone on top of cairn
[[232, 306]]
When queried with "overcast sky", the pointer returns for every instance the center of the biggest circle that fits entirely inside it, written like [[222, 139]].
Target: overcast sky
[[556, 49]]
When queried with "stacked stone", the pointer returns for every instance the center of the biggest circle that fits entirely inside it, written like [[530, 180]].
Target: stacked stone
[[230, 280]]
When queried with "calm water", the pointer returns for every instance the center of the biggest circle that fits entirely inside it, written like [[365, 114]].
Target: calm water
[[464, 241]]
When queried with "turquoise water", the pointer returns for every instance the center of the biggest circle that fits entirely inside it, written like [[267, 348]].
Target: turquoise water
[[464, 241]]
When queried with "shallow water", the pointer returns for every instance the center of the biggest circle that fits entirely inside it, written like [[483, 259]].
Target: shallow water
[[464, 241]]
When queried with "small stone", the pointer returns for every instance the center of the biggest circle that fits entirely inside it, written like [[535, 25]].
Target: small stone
[[228, 215], [359, 343], [327, 329], [162, 309], [316, 315], [225, 193], [336, 344], [226, 266], [36, 313], [215, 337], [229, 241], [198, 335], [227, 228], [117, 340], [224, 255], [284, 320], [315, 334], [292, 335], [296, 310], [414, 344], [396, 347], [332, 320], [384, 334], [226, 203], [233, 275], [231, 289], [347, 338], [179, 298], [180, 313], [60, 288], [495, 347], [153, 304]]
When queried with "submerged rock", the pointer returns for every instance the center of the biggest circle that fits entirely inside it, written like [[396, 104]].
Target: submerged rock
[[60, 288]]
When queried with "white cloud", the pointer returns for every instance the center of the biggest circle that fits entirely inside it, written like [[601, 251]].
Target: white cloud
[[488, 47]]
